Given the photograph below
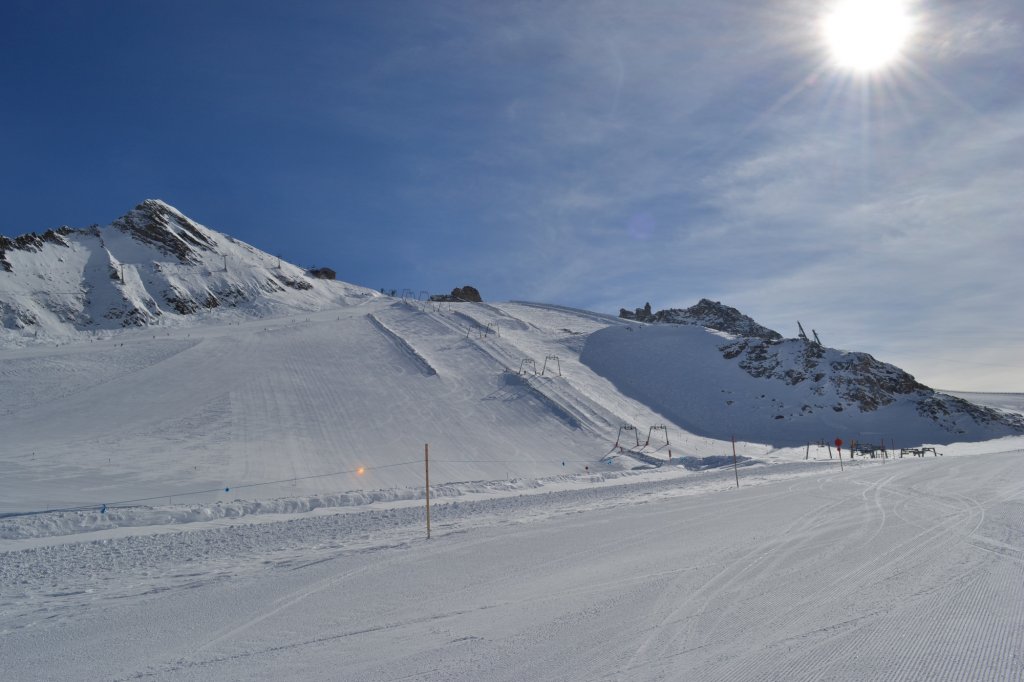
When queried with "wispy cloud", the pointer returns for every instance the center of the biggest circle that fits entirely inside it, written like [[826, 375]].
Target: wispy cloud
[[673, 153]]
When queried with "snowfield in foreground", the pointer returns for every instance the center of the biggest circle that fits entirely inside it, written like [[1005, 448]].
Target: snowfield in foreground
[[909, 569]]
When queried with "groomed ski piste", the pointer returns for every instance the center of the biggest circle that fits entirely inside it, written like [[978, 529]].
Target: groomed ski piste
[[243, 498]]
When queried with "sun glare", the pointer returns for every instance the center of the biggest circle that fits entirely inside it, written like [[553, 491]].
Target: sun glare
[[866, 35]]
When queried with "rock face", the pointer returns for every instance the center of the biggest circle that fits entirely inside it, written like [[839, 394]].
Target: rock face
[[154, 222], [706, 313], [322, 273], [31, 242], [856, 378], [467, 293], [856, 381]]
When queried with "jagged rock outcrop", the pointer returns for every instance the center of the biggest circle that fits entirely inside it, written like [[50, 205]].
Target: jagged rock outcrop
[[322, 273], [706, 313], [853, 381], [31, 242], [466, 293], [856, 378]]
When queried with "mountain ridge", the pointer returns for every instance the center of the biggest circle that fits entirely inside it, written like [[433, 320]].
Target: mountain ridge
[[153, 265], [705, 313]]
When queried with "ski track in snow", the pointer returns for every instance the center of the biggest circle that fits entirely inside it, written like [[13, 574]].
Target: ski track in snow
[[403, 345], [73, 567]]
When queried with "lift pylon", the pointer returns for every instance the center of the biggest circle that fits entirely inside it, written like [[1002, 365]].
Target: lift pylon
[[627, 427], [558, 364], [658, 427], [527, 362]]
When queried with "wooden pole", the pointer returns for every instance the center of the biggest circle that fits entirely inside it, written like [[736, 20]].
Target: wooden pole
[[735, 466], [839, 453], [808, 453], [426, 467]]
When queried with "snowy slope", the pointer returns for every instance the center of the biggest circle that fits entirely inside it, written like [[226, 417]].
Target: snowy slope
[[207, 407], [179, 380], [1009, 402]]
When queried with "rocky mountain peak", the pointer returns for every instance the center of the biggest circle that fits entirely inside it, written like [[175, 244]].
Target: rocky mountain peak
[[160, 225]]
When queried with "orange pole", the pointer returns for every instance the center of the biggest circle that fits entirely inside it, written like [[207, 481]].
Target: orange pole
[[735, 466], [426, 467]]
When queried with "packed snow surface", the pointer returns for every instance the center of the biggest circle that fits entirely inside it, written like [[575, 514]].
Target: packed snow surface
[[908, 569], [329, 401], [210, 520], [344, 399]]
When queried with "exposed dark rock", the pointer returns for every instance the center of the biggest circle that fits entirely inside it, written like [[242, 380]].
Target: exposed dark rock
[[705, 313], [5, 245], [466, 293], [27, 242], [34, 242], [15, 316], [943, 408], [153, 222], [129, 316], [182, 303], [322, 273], [300, 285], [232, 296]]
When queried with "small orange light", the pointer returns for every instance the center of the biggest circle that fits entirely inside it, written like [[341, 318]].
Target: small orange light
[[360, 471]]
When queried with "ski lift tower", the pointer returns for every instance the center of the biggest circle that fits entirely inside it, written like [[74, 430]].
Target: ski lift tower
[[657, 427], [627, 427]]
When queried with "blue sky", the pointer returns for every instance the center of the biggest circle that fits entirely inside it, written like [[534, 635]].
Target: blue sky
[[593, 154]]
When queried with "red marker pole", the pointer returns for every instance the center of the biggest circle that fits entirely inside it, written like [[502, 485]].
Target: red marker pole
[[839, 452]]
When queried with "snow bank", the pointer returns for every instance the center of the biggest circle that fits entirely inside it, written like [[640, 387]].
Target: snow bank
[[59, 523]]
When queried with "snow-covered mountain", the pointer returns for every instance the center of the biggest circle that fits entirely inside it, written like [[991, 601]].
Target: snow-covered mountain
[[711, 365], [151, 266], [182, 366]]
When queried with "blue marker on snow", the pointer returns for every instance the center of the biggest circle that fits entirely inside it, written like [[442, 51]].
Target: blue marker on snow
[[227, 489], [103, 509]]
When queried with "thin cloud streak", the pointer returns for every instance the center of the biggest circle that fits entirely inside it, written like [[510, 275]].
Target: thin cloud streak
[[882, 230]]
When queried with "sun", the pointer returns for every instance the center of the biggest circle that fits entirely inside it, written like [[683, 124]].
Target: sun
[[867, 35]]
